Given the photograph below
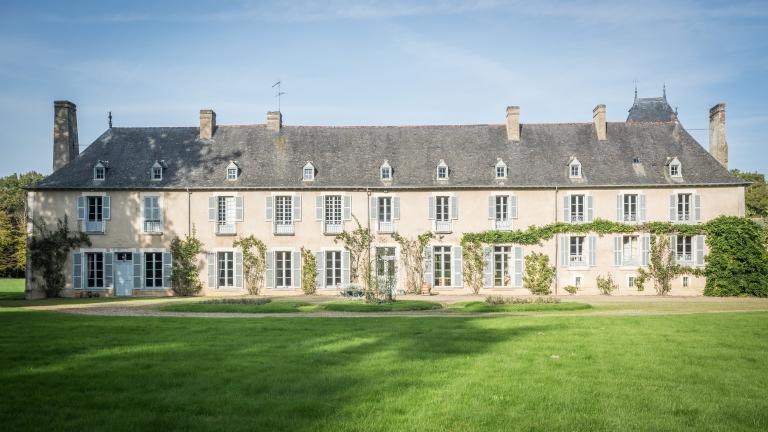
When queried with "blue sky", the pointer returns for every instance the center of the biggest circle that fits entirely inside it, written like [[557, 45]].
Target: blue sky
[[376, 62]]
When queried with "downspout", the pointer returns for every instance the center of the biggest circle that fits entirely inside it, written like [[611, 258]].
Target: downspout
[[368, 224], [557, 243], [189, 212]]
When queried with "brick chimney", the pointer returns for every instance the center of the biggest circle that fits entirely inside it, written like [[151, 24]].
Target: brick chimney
[[274, 120], [513, 123], [598, 118], [65, 144], [207, 123], [718, 146]]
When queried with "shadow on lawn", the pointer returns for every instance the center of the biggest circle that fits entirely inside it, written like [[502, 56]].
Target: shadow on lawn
[[271, 374]]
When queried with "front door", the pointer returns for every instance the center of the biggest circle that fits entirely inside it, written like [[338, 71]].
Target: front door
[[123, 273]]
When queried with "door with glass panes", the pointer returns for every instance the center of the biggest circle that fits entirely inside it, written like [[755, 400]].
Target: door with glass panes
[[386, 268]]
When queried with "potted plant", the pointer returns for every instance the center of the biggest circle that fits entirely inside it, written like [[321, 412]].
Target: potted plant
[[426, 288]]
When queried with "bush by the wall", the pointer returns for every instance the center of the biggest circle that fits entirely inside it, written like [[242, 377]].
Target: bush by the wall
[[539, 274], [737, 263], [606, 285]]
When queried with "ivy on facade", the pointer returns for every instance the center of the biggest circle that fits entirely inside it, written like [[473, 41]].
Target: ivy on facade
[[254, 262]]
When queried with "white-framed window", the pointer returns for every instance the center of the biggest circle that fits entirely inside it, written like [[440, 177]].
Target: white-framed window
[[684, 249], [233, 171], [574, 169], [308, 172], [333, 214], [502, 208], [630, 207], [225, 214], [333, 268], [442, 208], [95, 210], [675, 168], [385, 171], [99, 171], [500, 169], [631, 281], [153, 222], [442, 170], [156, 174], [578, 208], [442, 266], [630, 250], [283, 210], [225, 265], [283, 269], [577, 281], [576, 256], [686, 281], [684, 207], [94, 269], [153, 269], [502, 270]]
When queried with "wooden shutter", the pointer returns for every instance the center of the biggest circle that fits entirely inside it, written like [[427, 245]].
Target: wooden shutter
[[106, 207], [108, 270], [617, 250], [211, 269], [429, 273], [487, 267], [564, 252], [454, 207], [239, 208], [296, 269], [138, 272], [457, 269], [345, 267], [518, 266], [396, 208], [592, 250], [673, 208], [641, 207], [696, 207], [646, 248], [620, 207], [238, 269], [80, 208], [269, 271], [167, 269], [319, 207], [373, 208], [567, 208], [673, 247], [513, 207], [347, 207], [492, 207], [431, 208], [147, 208], [77, 270], [212, 209], [268, 206], [296, 207], [699, 250], [590, 211], [320, 266]]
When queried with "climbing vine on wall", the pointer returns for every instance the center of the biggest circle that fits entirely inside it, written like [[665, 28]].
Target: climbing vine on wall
[[661, 267], [48, 250], [412, 256], [308, 272], [358, 243], [185, 275], [254, 262]]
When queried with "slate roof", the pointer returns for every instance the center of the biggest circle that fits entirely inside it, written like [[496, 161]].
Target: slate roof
[[350, 157], [655, 109]]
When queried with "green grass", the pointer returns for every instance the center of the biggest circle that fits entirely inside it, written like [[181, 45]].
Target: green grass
[[676, 372], [11, 289], [399, 305], [479, 306], [283, 306]]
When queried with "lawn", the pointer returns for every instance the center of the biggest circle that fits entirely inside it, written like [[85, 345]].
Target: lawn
[[11, 289], [673, 372], [478, 306], [283, 306]]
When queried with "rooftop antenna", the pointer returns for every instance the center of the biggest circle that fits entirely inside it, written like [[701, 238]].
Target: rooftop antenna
[[635, 82], [664, 90], [279, 93], [110, 119]]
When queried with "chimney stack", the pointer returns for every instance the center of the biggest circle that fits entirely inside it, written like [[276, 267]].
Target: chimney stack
[[207, 123], [65, 144], [718, 146], [513, 123], [274, 120], [598, 118]]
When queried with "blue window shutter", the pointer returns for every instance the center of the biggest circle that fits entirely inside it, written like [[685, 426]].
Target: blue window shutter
[[620, 207], [432, 208], [296, 269], [147, 208], [319, 201], [212, 208], [492, 207], [513, 206], [138, 273], [673, 247], [396, 208], [457, 269], [270, 270], [167, 269], [697, 208], [454, 207], [590, 211], [564, 252], [107, 207], [268, 207], [641, 205], [673, 208], [297, 208], [345, 267], [80, 208], [211, 269], [428, 269], [617, 250], [518, 266], [592, 251], [699, 239], [238, 208], [487, 267], [567, 208], [373, 208], [347, 207], [77, 270], [238, 269], [646, 248], [108, 272], [320, 266]]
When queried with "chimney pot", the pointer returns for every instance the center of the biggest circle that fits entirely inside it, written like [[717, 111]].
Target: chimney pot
[[598, 118], [65, 143], [274, 120], [207, 123], [513, 123], [718, 146]]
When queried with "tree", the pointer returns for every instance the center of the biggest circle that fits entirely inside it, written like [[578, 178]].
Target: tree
[[185, 276], [756, 196], [539, 274], [13, 231], [48, 250]]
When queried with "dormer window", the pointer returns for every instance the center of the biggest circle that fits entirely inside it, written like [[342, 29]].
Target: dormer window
[[501, 169], [157, 171], [308, 172], [574, 168], [233, 171], [442, 170], [99, 171], [385, 172], [675, 168]]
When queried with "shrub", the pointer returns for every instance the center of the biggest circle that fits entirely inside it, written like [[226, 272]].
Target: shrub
[[497, 300], [254, 262], [737, 263], [185, 276], [48, 250], [538, 274], [606, 285], [570, 289], [308, 272], [238, 300]]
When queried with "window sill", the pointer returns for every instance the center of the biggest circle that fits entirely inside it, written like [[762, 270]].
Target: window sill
[[230, 234], [153, 233]]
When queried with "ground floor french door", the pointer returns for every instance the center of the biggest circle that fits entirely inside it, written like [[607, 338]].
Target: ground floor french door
[[123, 273]]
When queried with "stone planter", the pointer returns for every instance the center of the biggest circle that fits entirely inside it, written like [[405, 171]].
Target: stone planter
[[426, 289]]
